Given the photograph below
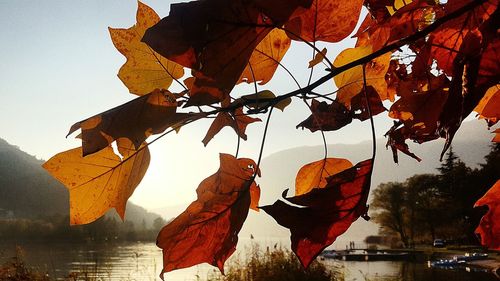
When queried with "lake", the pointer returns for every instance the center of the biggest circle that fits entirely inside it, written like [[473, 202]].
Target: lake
[[143, 261]]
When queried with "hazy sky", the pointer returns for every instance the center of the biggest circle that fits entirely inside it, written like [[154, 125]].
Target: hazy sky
[[58, 66]]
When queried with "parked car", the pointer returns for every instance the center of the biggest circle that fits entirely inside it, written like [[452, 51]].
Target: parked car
[[438, 243]]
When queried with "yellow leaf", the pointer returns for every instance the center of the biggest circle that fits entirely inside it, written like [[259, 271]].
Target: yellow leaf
[[318, 58], [99, 181], [314, 175], [350, 82], [145, 70]]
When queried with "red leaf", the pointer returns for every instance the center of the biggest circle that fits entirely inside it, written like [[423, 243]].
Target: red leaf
[[358, 103], [207, 231], [489, 227], [324, 213], [326, 117]]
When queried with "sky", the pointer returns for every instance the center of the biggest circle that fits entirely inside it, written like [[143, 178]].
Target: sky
[[58, 66]]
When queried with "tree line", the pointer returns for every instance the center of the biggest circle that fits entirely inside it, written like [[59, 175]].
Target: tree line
[[430, 206]]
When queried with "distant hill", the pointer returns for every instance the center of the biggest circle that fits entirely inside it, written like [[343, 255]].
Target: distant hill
[[471, 144], [28, 191]]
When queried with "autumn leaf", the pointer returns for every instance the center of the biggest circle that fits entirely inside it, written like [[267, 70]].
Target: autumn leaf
[[315, 174], [215, 38], [237, 120], [350, 82], [489, 228], [496, 138], [326, 117], [99, 181], [207, 231], [254, 196], [318, 58], [325, 20], [136, 120], [261, 99], [323, 214], [488, 107], [266, 57], [396, 141], [145, 70], [359, 106]]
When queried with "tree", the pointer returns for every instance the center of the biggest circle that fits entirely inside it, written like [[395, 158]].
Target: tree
[[392, 201], [438, 59]]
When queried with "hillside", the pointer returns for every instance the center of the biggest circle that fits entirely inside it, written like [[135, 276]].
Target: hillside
[[28, 191]]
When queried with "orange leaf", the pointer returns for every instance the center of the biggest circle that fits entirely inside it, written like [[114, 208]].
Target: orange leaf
[[489, 227], [314, 175], [325, 20], [266, 57], [318, 58], [237, 120], [207, 231], [145, 70], [324, 213], [136, 120], [496, 138], [489, 106], [99, 181], [254, 196]]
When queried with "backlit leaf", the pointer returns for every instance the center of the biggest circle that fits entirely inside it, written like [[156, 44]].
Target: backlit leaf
[[261, 99], [207, 231], [136, 120], [325, 20], [324, 213], [489, 106], [318, 58], [266, 57], [237, 120], [314, 175], [99, 181], [489, 227], [145, 70], [326, 117], [350, 82]]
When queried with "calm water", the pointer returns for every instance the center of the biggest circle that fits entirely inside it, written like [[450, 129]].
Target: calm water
[[142, 261]]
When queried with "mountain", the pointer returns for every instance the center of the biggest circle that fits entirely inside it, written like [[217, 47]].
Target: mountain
[[471, 144], [28, 191]]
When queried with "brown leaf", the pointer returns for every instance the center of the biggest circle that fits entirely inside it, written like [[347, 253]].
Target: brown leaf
[[326, 117], [359, 107], [254, 196], [136, 120], [145, 70], [99, 181], [315, 174], [489, 228], [266, 57], [207, 231], [324, 213], [237, 120], [261, 99], [396, 140], [215, 38], [325, 20]]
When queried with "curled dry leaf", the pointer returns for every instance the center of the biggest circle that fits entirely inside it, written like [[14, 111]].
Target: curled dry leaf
[[396, 140], [237, 120], [359, 106], [489, 227], [315, 174], [326, 117], [324, 213], [145, 70], [266, 57], [318, 58], [99, 181], [136, 120], [207, 231], [325, 20]]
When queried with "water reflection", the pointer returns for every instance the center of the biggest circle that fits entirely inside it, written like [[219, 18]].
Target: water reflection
[[142, 261]]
